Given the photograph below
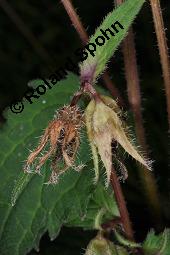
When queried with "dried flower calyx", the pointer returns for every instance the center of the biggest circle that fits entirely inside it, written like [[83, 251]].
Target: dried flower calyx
[[104, 126], [62, 139]]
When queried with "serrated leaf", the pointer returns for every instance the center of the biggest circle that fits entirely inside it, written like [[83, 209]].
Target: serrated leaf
[[93, 66], [28, 207], [157, 244]]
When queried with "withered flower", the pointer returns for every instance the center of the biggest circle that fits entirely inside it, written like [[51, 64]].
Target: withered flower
[[104, 126], [63, 139]]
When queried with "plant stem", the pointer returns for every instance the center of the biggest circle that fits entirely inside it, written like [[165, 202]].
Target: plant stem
[[113, 89], [121, 205], [76, 98], [84, 38], [111, 224], [75, 21], [134, 97], [124, 216], [163, 49]]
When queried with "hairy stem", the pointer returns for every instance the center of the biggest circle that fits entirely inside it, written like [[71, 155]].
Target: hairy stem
[[84, 38], [163, 49], [121, 205], [75, 20], [134, 97]]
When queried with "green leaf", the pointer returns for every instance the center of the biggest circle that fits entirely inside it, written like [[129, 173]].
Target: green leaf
[[157, 244], [28, 207], [93, 66], [100, 199]]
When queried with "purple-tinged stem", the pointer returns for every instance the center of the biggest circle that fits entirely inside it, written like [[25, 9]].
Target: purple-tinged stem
[[124, 215], [134, 97], [163, 49]]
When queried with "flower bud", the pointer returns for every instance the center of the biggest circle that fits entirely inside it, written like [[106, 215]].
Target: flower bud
[[101, 246], [105, 126]]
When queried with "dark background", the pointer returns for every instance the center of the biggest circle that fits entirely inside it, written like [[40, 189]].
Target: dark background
[[23, 59]]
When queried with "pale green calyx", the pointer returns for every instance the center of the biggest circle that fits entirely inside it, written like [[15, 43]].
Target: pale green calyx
[[104, 126]]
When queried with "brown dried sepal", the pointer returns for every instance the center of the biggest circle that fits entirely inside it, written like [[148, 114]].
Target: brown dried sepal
[[63, 137]]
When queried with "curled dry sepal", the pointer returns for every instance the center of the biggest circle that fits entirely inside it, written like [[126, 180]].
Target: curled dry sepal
[[62, 136], [104, 126]]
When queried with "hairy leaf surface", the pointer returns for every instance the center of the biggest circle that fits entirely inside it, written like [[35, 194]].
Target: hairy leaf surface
[[93, 66]]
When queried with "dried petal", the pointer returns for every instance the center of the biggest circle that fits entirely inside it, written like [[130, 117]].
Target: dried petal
[[62, 136]]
